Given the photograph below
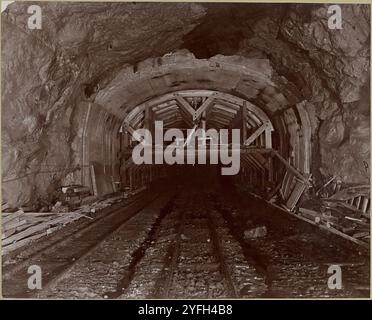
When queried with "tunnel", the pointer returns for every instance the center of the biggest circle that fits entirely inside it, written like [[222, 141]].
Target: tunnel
[[182, 150]]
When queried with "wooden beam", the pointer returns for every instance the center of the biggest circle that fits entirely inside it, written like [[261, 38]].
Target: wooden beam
[[186, 117], [255, 134], [148, 118], [231, 115], [195, 114], [244, 121], [132, 132], [268, 141], [203, 108], [171, 108], [185, 105], [226, 109], [94, 181], [289, 167]]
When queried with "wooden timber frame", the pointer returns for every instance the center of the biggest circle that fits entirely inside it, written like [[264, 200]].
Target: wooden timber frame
[[262, 167]]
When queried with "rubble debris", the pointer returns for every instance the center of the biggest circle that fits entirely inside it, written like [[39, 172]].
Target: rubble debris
[[345, 213], [258, 232], [325, 185], [75, 189], [20, 228], [4, 206], [351, 192], [58, 207]]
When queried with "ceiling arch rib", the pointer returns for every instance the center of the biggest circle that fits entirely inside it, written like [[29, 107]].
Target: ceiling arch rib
[[185, 109]]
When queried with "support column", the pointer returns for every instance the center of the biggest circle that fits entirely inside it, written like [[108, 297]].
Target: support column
[[243, 122]]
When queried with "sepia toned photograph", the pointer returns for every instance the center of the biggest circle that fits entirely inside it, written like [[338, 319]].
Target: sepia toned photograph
[[185, 150]]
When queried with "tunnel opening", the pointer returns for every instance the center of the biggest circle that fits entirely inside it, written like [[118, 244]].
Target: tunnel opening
[[265, 150], [184, 131]]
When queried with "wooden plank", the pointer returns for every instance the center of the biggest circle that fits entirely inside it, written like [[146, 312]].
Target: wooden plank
[[94, 181], [288, 166], [5, 214], [226, 109], [244, 121], [268, 141], [12, 216], [8, 233], [357, 204], [186, 117], [39, 227], [349, 193], [21, 243], [365, 204], [361, 234], [204, 107], [344, 205], [260, 158], [310, 214], [328, 228], [255, 135], [14, 224], [253, 164], [41, 214], [148, 115], [295, 195], [5, 206], [287, 181], [185, 105], [132, 132], [306, 137]]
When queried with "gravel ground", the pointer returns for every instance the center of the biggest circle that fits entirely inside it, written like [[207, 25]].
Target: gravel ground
[[192, 245]]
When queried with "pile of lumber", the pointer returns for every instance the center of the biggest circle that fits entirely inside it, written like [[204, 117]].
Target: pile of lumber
[[345, 213], [21, 228], [75, 190], [76, 195], [348, 227]]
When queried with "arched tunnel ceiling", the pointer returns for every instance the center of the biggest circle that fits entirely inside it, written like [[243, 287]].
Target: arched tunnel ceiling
[[250, 79], [221, 110]]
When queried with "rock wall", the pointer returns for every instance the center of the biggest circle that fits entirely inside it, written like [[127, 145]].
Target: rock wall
[[46, 73], [330, 69]]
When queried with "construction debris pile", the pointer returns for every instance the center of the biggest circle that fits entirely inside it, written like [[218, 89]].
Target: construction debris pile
[[21, 227], [343, 209], [346, 212]]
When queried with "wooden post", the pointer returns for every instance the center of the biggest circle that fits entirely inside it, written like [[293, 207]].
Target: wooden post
[[94, 182], [148, 123], [365, 204], [130, 180], [358, 202], [243, 120], [270, 169], [268, 141], [125, 140], [123, 168]]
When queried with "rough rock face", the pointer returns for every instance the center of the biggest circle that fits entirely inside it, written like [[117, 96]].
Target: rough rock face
[[82, 47], [341, 59], [329, 68], [46, 72]]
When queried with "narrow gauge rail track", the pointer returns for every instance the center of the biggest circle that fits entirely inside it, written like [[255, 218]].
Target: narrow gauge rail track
[[57, 257], [217, 264], [194, 255]]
